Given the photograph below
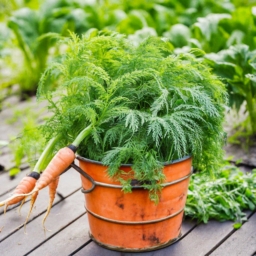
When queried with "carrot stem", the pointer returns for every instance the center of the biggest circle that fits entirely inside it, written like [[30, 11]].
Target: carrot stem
[[82, 135], [44, 158]]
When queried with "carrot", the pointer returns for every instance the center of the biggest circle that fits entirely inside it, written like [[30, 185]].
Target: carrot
[[52, 191], [50, 176], [26, 185], [61, 161]]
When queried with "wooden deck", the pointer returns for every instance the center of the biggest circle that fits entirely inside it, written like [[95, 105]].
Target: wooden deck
[[69, 225]]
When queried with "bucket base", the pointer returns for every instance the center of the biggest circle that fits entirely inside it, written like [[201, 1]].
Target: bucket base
[[114, 248]]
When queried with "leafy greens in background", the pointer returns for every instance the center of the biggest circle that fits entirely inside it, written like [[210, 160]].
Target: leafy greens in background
[[237, 65], [242, 27], [7, 6], [34, 32], [184, 23], [207, 29]]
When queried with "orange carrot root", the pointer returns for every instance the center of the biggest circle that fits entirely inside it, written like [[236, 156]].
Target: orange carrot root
[[32, 202], [59, 163], [52, 192], [5, 208], [22, 202], [26, 185]]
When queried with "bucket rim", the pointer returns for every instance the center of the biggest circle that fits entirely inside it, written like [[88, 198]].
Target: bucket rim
[[129, 165]]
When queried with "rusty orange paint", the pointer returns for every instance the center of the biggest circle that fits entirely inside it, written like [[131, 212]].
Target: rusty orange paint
[[113, 204]]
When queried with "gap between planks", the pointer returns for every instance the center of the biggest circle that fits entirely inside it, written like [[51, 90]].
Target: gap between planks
[[38, 215], [24, 243], [80, 248], [229, 235], [57, 232]]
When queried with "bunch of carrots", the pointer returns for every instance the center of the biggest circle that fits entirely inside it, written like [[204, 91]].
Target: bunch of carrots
[[34, 182]]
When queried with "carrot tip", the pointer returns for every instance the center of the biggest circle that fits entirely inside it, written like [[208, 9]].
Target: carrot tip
[[5, 208], [22, 202], [32, 202], [46, 229]]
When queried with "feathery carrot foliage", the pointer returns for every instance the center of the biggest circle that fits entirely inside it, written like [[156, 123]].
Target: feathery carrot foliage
[[143, 105]]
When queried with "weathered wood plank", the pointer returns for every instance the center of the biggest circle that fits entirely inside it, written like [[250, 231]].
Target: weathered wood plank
[[242, 242], [10, 99], [201, 240], [232, 119], [247, 157], [10, 127], [6, 161], [67, 241], [61, 215], [10, 130], [93, 249], [4, 150], [12, 221], [69, 183]]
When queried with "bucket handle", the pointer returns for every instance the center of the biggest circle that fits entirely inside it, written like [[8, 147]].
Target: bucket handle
[[87, 176], [94, 183]]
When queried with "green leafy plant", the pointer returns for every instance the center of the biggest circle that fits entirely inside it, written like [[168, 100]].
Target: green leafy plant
[[241, 27], [31, 26], [5, 53], [207, 29], [195, 9], [34, 34], [223, 198], [216, 31], [121, 103], [179, 35], [7, 6], [29, 143], [237, 65]]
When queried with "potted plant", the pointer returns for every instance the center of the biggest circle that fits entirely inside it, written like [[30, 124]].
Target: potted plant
[[136, 116]]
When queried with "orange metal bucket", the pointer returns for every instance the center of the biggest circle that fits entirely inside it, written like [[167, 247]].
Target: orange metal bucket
[[130, 221]]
